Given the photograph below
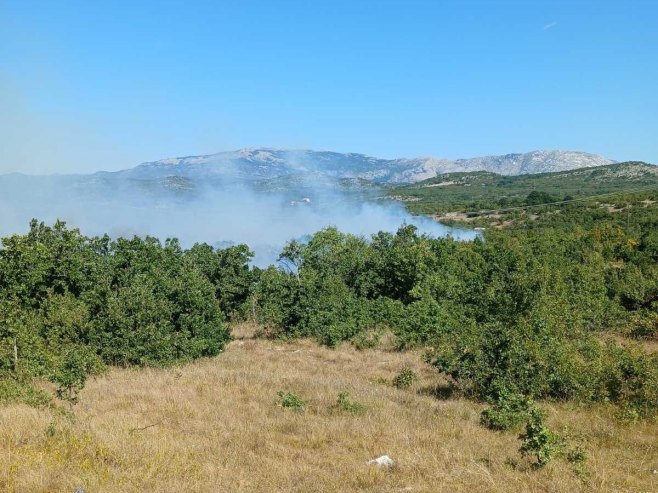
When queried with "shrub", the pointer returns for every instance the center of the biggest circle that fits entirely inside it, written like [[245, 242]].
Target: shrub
[[629, 377], [520, 358], [536, 361], [70, 375], [290, 400], [507, 412], [346, 403], [15, 390], [577, 458], [405, 379], [158, 308], [537, 440], [366, 340], [68, 302], [644, 324]]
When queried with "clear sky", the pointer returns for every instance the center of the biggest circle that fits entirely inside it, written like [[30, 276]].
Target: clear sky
[[88, 85]]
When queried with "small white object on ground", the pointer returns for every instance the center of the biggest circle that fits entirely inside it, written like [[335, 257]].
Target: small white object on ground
[[384, 460]]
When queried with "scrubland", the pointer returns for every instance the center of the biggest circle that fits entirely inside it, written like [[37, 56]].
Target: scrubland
[[216, 425]]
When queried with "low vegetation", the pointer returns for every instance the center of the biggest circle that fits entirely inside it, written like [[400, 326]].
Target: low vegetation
[[473, 192], [216, 425], [555, 312], [346, 403], [290, 400], [405, 379]]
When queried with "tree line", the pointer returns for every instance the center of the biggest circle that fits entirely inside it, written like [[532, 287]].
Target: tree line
[[528, 313]]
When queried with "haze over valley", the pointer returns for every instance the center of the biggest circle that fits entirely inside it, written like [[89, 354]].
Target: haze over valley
[[259, 196]]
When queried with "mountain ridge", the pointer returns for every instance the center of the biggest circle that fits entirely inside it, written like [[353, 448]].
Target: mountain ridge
[[266, 162]]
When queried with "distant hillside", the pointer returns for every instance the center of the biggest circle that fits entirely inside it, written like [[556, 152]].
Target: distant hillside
[[262, 197], [532, 162], [265, 169], [286, 174], [483, 190], [259, 164]]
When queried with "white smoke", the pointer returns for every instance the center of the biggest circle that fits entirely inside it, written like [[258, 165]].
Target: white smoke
[[228, 214]]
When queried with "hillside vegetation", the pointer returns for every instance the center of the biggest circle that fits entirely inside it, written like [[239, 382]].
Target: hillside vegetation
[[476, 191], [549, 321]]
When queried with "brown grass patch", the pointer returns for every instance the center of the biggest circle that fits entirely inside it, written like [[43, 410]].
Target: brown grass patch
[[215, 426]]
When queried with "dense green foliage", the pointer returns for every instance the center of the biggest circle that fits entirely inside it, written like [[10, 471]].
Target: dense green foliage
[[528, 312], [70, 304], [535, 311], [507, 412]]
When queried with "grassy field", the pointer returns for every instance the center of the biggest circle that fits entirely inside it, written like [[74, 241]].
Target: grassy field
[[215, 425]]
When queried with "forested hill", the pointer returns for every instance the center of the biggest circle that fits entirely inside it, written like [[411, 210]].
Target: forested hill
[[483, 190]]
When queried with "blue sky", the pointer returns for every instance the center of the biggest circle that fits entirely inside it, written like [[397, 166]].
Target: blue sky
[[106, 85]]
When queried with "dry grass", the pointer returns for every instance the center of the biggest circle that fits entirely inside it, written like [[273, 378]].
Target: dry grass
[[215, 426]]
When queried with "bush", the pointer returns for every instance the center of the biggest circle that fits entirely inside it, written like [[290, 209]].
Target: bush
[[290, 400], [537, 440], [71, 372], [15, 390], [523, 359], [629, 377], [346, 403], [368, 339], [405, 379], [507, 412], [158, 310], [535, 362], [68, 302], [578, 458], [644, 324]]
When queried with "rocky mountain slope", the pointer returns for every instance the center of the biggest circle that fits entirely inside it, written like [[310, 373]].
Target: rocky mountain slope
[[262, 197], [293, 173], [264, 163]]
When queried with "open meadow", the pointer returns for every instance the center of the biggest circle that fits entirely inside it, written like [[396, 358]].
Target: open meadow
[[216, 425]]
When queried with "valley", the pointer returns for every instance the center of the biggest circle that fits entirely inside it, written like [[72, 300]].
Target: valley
[[213, 198]]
